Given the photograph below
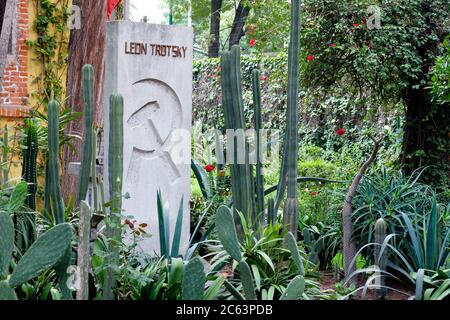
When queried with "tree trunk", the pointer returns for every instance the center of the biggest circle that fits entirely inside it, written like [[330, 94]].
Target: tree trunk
[[426, 140], [349, 246], [213, 49], [415, 133], [86, 46], [237, 29]]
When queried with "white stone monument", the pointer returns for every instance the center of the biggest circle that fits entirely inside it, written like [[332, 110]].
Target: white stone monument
[[151, 66]]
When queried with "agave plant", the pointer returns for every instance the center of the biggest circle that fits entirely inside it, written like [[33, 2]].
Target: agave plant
[[424, 246], [386, 195]]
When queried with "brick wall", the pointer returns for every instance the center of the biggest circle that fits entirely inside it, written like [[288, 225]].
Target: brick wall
[[14, 84]]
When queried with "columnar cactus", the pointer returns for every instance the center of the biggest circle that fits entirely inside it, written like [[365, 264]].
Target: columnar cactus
[[115, 175], [380, 257], [290, 216], [258, 126], [29, 162], [232, 102], [88, 147], [56, 205]]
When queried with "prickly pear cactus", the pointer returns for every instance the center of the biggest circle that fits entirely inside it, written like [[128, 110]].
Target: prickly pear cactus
[[247, 281], [295, 289], [6, 242], [43, 254], [194, 280], [226, 231], [6, 292]]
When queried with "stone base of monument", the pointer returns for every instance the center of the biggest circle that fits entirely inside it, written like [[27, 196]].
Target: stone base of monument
[[151, 67]]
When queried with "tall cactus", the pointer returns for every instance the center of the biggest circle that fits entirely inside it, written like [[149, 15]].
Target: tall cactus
[[88, 147], [234, 120], [115, 174], [29, 162], [258, 126], [54, 186], [380, 257], [290, 216]]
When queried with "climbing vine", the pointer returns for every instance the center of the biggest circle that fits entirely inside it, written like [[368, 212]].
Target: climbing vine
[[51, 49]]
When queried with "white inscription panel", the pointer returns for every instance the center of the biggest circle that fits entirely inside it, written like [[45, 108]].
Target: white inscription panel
[[151, 66]]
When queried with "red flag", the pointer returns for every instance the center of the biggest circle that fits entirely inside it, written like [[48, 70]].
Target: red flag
[[112, 4]]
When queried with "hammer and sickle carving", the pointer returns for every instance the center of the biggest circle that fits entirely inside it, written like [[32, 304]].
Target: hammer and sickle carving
[[158, 115]]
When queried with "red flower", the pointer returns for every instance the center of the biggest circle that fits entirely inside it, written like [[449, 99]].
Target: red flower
[[333, 45], [313, 194], [341, 132], [264, 78], [252, 42], [356, 25], [209, 167], [363, 22], [310, 57]]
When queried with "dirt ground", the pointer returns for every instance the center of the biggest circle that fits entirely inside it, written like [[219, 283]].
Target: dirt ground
[[328, 280]]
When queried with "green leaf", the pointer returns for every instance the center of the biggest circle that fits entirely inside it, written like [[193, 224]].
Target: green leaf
[[18, 197], [163, 227], [292, 245], [214, 289], [257, 276], [202, 179], [6, 242], [178, 228]]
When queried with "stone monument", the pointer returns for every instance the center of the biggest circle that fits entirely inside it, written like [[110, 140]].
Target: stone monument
[[151, 66]]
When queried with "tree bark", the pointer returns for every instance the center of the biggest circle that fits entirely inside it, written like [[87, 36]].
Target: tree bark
[[86, 46], [349, 246], [213, 49], [425, 140], [415, 133], [237, 29]]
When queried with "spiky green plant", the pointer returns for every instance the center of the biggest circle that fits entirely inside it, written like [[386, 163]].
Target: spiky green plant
[[164, 229], [29, 154], [88, 147], [227, 234], [56, 205]]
